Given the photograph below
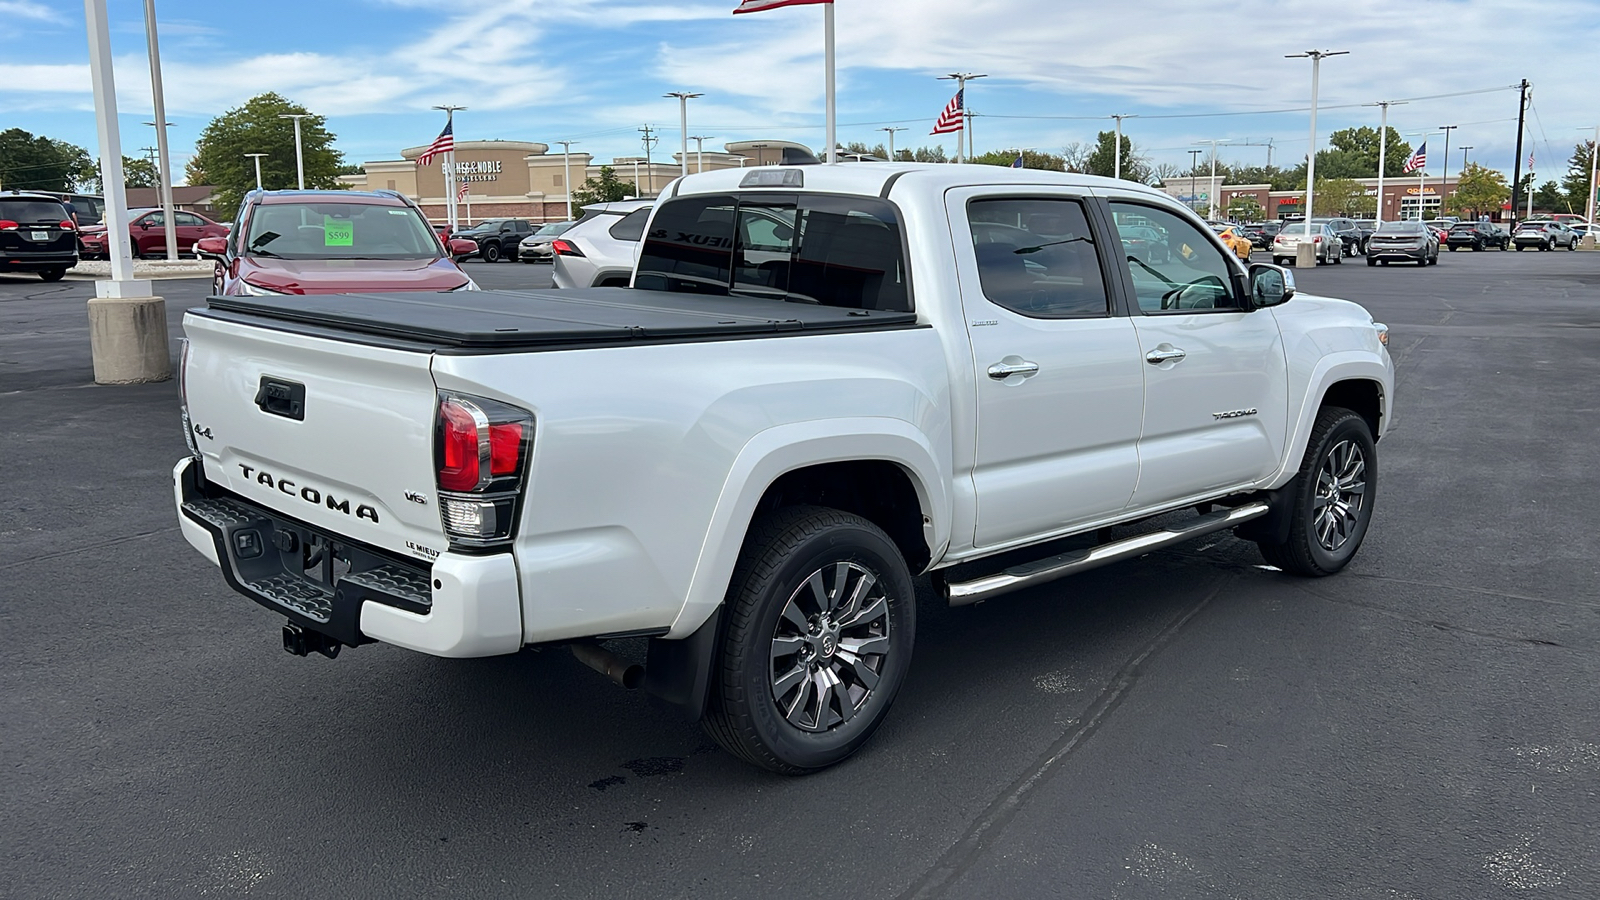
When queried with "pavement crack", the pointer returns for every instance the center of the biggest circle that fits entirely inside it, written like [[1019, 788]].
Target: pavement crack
[[1438, 624], [86, 547], [970, 847]]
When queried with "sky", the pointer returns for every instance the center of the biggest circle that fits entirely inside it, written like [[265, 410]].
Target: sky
[[594, 71]]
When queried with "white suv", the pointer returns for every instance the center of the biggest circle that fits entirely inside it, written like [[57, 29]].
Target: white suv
[[601, 249]]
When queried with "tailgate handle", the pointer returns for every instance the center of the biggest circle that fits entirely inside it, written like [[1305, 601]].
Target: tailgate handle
[[282, 398]]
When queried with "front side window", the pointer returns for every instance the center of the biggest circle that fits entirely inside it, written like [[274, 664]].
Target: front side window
[[339, 231], [1174, 265], [827, 250], [1037, 257]]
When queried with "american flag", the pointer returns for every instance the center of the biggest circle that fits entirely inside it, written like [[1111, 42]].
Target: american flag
[[1418, 159], [951, 119], [1530, 160], [761, 5], [444, 143], [462, 193]]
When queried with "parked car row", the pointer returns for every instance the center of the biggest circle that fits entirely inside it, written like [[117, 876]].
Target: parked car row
[[147, 234]]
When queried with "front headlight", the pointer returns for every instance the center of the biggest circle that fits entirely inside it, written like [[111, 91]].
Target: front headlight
[[256, 290]]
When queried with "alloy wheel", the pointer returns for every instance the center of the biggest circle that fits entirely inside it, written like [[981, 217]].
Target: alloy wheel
[[830, 646], [1340, 496]]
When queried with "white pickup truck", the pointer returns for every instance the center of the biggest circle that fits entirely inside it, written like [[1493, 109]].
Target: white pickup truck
[[824, 381]]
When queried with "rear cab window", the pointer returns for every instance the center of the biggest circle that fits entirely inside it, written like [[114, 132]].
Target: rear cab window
[[830, 250]]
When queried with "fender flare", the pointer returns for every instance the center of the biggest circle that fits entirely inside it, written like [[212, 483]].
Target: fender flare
[[770, 454], [1349, 365]]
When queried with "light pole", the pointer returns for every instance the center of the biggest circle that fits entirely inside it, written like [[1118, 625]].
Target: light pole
[[1316, 57], [961, 79], [1194, 165], [1383, 149], [299, 157], [700, 151], [566, 173], [163, 159], [1444, 180], [1211, 187], [683, 124], [257, 157], [1116, 167], [891, 132], [452, 211], [742, 160], [1594, 163]]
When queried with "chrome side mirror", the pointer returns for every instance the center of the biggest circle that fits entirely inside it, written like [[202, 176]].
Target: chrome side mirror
[[1270, 285]]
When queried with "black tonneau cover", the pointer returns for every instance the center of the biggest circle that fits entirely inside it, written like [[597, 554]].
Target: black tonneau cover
[[511, 320]]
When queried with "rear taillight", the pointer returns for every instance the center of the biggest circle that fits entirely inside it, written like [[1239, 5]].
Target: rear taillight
[[183, 398], [7, 225], [1317, 239], [482, 449], [66, 225], [564, 248]]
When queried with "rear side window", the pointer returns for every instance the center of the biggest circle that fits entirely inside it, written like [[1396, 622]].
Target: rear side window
[[829, 250], [1037, 258], [631, 228], [32, 212]]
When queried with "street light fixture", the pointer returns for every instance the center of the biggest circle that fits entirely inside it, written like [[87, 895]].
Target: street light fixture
[[1211, 186], [1383, 149], [1316, 57], [1444, 180], [700, 151], [1116, 167], [299, 157], [683, 124], [257, 157], [566, 173], [891, 130]]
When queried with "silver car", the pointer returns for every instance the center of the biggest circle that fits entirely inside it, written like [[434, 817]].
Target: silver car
[[1407, 241], [1329, 248], [536, 247], [601, 249]]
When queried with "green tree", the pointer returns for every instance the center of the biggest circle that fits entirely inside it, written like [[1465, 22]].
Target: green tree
[[139, 173], [1549, 198], [1576, 182], [1353, 153], [1342, 197], [1031, 159], [255, 127], [1102, 160], [1480, 191], [929, 154], [1245, 209], [30, 163], [608, 188]]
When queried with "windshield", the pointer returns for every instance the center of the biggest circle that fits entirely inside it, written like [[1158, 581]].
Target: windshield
[[339, 231], [32, 212], [487, 225], [553, 229], [1407, 228]]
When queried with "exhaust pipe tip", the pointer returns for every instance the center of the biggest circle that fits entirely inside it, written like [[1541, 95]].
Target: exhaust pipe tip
[[628, 675]]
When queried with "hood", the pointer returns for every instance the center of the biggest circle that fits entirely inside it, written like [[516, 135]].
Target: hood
[[343, 276]]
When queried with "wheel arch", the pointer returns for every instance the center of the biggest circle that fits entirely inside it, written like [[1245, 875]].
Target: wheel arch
[[1356, 379]]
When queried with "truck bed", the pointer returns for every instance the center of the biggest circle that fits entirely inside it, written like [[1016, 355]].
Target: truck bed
[[499, 321]]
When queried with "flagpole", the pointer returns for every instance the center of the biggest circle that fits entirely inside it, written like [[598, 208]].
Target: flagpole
[[827, 24], [450, 207]]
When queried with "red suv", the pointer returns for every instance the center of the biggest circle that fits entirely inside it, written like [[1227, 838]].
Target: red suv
[[147, 233], [333, 242]]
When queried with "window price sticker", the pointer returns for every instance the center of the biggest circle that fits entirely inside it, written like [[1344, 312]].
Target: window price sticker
[[338, 233]]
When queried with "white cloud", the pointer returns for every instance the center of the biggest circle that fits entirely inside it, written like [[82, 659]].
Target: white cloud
[[27, 9]]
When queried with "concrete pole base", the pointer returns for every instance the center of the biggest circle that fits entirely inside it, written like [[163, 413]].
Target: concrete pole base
[[1305, 255], [128, 340], [1588, 243]]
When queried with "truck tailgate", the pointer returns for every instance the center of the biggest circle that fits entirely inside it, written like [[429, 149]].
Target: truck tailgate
[[352, 455]]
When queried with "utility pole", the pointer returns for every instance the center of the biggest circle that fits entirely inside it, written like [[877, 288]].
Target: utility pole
[[700, 151], [1516, 164], [891, 131], [1594, 163], [163, 159], [257, 157], [1116, 167], [450, 207], [1194, 166], [961, 79], [683, 125], [1444, 180], [299, 155], [649, 142], [566, 172], [1383, 148]]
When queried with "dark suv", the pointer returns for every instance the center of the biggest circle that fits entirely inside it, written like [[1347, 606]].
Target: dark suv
[[1477, 235], [1262, 233], [36, 235], [497, 239]]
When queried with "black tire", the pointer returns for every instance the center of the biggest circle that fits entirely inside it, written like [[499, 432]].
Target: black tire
[[1338, 259], [490, 253], [1308, 551], [1572, 245], [782, 553], [1384, 261], [1371, 262], [1454, 248], [53, 274]]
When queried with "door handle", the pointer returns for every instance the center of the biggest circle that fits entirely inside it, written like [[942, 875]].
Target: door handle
[[1158, 356], [1001, 371]]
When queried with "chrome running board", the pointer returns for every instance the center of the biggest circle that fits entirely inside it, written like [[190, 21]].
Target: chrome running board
[[1040, 571]]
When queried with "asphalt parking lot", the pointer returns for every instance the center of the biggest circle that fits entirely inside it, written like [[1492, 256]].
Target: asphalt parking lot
[[1424, 725]]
